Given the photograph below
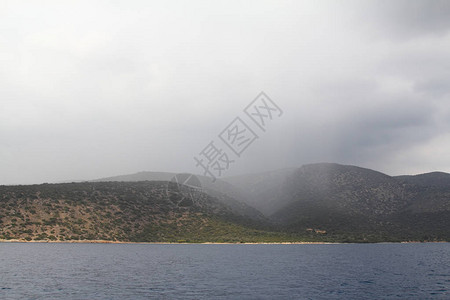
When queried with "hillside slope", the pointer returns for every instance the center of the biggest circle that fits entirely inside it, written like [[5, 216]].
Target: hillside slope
[[263, 191], [317, 202], [363, 202], [121, 211], [342, 202], [233, 196]]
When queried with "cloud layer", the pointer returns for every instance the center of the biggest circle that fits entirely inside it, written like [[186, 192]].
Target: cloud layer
[[98, 89]]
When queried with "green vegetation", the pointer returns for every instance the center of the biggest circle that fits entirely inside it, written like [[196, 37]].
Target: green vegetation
[[129, 212], [156, 212]]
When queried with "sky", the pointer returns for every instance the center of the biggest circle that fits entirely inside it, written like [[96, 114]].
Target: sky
[[91, 89]]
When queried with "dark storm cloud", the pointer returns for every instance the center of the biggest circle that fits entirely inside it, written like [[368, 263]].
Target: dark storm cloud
[[407, 19], [377, 131], [359, 125], [437, 87]]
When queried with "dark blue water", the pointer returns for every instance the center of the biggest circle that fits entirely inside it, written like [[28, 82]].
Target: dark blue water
[[122, 271]]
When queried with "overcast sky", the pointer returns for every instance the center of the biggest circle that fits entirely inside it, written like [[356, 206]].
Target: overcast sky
[[91, 89]]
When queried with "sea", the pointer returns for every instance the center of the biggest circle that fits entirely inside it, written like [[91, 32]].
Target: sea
[[224, 271]]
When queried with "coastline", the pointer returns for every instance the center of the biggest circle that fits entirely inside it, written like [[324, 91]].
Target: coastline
[[205, 243], [159, 243]]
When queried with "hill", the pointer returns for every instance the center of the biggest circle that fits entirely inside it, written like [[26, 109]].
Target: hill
[[362, 204], [233, 196], [140, 176], [122, 211], [346, 202], [352, 203], [437, 179], [316, 202]]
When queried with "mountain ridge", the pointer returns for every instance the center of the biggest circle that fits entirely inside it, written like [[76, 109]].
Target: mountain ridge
[[315, 202]]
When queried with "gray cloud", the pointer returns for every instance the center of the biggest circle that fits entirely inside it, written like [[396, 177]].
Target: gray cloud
[[92, 90], [438, 87], [408, 19]]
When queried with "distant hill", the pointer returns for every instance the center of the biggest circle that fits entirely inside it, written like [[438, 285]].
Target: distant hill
[[141, 176], [338, 199], [233, 196], [344, 200], [342, 189], [439, 179], [427, 193], [359, 202], [122, 211], [316, 202]]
